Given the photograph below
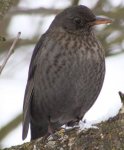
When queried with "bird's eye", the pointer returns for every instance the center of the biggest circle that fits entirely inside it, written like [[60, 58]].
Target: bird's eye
[[77, 20]]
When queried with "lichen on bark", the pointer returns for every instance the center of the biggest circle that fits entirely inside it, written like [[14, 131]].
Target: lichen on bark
[[108, 136]]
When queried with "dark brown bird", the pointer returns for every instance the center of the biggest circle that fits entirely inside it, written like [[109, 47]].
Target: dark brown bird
[[66, 73]]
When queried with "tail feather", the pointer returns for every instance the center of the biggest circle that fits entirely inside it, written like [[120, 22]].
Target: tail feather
[[26, 120]]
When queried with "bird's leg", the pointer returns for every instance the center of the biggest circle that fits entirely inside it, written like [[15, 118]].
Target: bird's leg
[[58, 133], [51, 132], [50, 129]]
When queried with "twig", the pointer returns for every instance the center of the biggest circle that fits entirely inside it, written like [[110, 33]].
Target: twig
[[121, 96], [40, 10], [10, 52], [6, 129], [122, 100], [75, 2]]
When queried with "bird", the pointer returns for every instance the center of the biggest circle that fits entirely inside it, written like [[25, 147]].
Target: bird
[[66, 73]]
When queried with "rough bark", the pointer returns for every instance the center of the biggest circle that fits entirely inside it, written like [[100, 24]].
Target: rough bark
[[108, 136]]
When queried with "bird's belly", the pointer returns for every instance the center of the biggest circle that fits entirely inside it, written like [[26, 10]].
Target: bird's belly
[[68, 95]]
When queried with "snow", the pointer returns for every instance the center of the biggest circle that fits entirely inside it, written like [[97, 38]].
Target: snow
[[14, 76]]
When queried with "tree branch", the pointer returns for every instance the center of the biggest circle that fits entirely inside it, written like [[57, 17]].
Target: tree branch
[[40, 10], [108, 136], [75, 2], [4, 131], [10, 52]]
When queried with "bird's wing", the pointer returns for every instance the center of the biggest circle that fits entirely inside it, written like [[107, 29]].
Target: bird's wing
[[30, 87]]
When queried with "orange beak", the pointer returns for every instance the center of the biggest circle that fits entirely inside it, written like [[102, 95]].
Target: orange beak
[[101, 20]]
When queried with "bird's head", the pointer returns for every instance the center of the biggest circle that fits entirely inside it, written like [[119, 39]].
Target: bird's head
[[77, 19]]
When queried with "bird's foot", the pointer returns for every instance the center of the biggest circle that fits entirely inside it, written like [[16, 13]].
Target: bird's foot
[[69, 129]]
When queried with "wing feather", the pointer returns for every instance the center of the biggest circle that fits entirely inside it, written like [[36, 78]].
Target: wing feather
[[30, 87]]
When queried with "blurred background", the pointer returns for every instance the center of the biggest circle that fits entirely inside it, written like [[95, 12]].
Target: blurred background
[[32, 18]]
